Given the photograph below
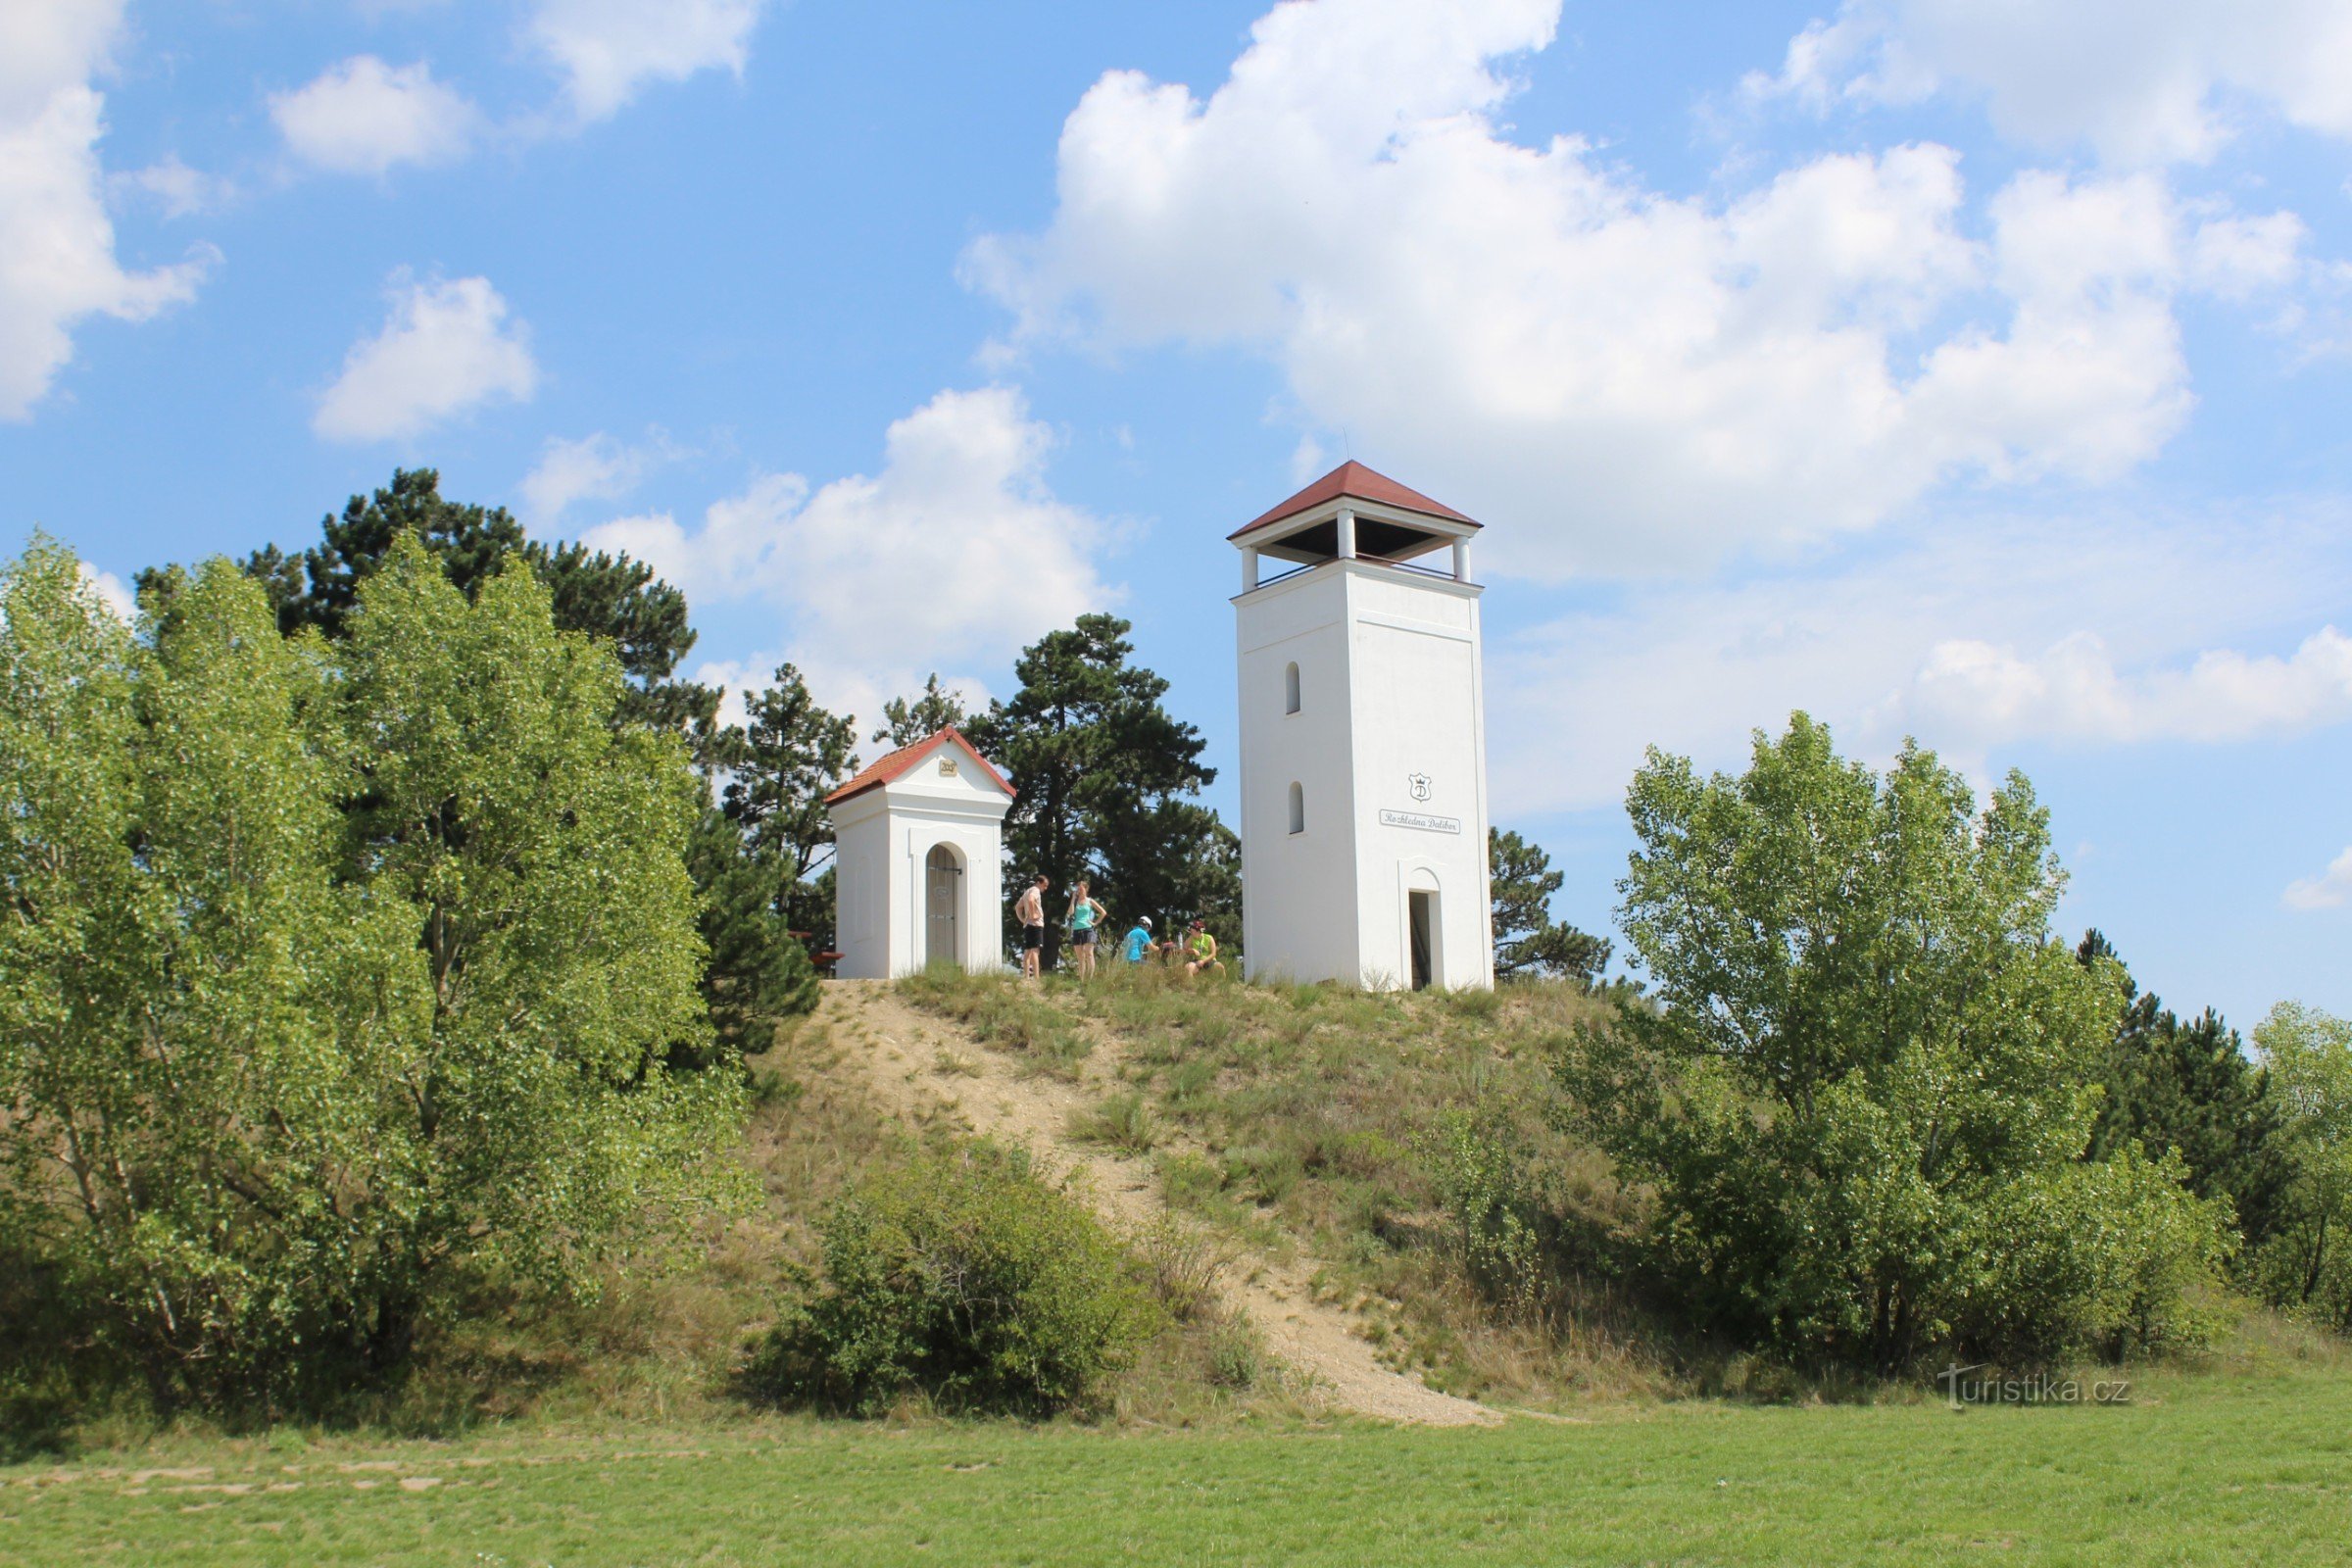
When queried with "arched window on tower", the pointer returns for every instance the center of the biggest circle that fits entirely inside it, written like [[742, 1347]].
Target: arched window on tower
[[1289, 689], [1297, 809]]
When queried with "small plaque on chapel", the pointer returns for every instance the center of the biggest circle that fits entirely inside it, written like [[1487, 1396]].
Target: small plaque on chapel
[[947, 768]]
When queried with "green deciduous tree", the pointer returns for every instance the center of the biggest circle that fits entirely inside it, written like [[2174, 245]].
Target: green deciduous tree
[[908, 719], [331, 973], [618, 599], [2306, 1263], [1106, 774], [1865, 1088], [1528, 941]]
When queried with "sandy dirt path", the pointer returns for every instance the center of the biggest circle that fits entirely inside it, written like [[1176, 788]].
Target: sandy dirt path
[[924, 1067]]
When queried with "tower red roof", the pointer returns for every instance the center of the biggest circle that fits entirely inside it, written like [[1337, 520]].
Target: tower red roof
[[1352, 479], [891, 766]]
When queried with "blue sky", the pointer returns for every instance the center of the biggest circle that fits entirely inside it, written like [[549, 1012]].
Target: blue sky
[[1969, 371]]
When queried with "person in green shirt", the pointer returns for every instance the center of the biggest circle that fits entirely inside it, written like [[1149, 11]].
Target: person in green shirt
[[1200, 951], [1083, 912]]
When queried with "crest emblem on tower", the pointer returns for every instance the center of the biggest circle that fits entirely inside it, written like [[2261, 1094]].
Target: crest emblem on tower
[[1417, 786]]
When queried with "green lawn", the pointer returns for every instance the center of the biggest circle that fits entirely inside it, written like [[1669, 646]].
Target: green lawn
[[2229, 1467]]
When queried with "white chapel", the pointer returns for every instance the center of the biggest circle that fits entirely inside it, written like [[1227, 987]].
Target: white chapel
[[1364, 740], [918, 856]]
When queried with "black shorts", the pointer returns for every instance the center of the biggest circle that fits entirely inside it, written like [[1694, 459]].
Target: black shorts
[[1083, 939], [1032, 937]]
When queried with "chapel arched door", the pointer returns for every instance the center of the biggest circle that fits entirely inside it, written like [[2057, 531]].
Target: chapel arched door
[[940, 875]]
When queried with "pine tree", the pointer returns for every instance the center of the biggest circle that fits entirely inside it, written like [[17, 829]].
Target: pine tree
[[1105, 776], [612, 597], [2188, 1086], [1528, 941], [908, 719], [793, 754]]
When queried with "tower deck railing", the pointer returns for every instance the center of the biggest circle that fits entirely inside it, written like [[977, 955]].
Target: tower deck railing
[[1377, 561]]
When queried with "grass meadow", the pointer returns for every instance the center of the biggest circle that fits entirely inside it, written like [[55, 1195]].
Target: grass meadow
[[2247, 1461]]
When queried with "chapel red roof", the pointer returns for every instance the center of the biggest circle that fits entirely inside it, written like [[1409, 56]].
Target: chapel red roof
[[892, 766], [1352, 479]]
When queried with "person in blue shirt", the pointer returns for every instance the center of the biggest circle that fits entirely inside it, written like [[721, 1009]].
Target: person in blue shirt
[[1139, 939]]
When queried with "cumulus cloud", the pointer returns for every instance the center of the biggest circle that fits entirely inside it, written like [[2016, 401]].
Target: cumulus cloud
[[1633, 381], [2074, 691], [608, 50], [953, 556], [2135, 619], [2331, 889], [110, 592], [595, 468], [445, 348], [2142, 81], [363, 117], [57, 246]]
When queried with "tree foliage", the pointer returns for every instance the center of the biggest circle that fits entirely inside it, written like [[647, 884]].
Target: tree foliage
[[753, 960], [330, 973], [1865, 1089], [1105, 776], [757, 971], [908, 719], [2186, 1086], [792, 753], [1528, 941], [607, 595], [2305, 1262]]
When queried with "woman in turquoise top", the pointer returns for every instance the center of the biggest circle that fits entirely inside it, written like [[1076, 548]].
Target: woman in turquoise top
[[1083, 912]]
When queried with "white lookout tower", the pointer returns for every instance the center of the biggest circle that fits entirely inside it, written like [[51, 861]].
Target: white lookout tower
[[1364, 740], [919, 843]]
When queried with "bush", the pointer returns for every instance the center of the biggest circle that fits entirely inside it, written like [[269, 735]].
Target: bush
[[967, 1275], [1481, 1174]]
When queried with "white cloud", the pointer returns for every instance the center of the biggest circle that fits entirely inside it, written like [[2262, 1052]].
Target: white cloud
[[363, 117], [181, 192], [1631, 380], [953, 556], [445, 348], [595, 468], [2074, 691], [2331, 889], [2131, 607], [111, 591], [610, 49], [2142, 81], [57, 247]]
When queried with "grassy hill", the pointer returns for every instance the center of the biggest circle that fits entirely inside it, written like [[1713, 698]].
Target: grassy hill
[[1292, 1164]]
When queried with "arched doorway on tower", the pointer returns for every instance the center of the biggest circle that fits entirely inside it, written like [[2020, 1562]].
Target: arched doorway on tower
[[943, 906]]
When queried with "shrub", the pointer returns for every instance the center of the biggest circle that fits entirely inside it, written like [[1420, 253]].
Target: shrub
[[1184, 1265], [1125, 1122], [964, 1275], [1481, 1174]]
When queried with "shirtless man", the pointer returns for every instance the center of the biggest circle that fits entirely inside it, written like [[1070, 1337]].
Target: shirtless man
[[1030, 911]]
